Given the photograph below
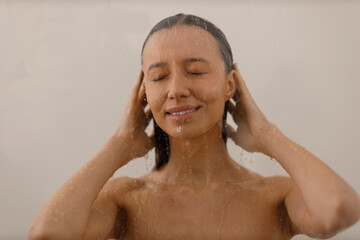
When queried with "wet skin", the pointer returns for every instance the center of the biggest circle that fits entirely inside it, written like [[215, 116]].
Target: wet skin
[[248, 207], [202, 193]]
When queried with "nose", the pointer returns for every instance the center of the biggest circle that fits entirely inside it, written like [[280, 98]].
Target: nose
[[178, 86]]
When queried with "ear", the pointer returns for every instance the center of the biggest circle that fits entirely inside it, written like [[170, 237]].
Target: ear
[[230, 85]]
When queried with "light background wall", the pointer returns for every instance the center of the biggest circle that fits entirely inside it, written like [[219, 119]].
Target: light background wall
[[66, 69]]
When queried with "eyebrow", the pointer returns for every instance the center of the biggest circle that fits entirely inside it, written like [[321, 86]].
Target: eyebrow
[[195, 59], [188, 60], [154, 65]]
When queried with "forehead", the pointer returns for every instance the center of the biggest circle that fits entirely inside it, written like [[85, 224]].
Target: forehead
[[181, 42]]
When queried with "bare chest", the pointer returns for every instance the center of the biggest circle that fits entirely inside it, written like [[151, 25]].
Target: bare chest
[[228, 213]]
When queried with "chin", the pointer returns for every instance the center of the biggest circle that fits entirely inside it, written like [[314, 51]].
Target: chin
[[181, 132], [190, 129], [188, 132]]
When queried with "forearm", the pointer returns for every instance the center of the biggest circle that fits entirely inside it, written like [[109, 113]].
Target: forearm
[[324, 192], [69, 208]]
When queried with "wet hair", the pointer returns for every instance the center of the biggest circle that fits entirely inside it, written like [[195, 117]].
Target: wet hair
[[162, 144]]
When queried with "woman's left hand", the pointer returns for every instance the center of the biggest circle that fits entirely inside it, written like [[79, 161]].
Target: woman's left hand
[[251, 122]]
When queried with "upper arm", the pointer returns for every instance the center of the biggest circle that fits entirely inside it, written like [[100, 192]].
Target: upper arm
[[107, 219], [301, 221]]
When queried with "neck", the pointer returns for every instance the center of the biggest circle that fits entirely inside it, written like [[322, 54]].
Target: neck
[[197, 162]]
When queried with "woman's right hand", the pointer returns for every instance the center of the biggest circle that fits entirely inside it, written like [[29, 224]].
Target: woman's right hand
[[134, 121]]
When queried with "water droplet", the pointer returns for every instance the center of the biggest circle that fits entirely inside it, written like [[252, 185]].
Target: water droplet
[[178, 129]]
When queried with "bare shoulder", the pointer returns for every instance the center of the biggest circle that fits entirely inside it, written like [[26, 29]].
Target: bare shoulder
[[120, 187], [280, 181], [278, 185], [125, 182]]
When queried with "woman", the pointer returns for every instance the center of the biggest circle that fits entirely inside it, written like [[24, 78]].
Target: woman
[[196, 191]]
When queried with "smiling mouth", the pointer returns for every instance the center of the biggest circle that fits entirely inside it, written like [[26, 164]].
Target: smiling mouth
[[183, 112], [183, 115]]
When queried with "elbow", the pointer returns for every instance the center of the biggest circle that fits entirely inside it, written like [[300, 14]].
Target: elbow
[[42, 231], [38, 232], [344, 214]]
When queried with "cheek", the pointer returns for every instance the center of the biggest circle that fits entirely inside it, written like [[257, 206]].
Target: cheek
[[213, 95], [151, 99], [154, 99], [155, 107], [210, 91]]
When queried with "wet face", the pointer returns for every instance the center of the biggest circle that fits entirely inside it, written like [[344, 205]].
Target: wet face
[[185, 80]]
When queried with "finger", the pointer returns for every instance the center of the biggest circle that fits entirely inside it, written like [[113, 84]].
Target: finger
[[142, 97], [231, 108], [148, 116], [237, 82], [135, 89], [150, 143], [230, 131], [240, 80], [237, 93]]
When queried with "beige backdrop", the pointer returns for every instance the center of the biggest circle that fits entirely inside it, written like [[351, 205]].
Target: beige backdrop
[[66, 69]]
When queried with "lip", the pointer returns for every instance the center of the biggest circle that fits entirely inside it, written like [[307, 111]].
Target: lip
[[184, 116], [181, 109]]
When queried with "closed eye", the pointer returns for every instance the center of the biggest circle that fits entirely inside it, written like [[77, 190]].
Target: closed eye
[[196, 73], [160, 78], [192, 73]]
